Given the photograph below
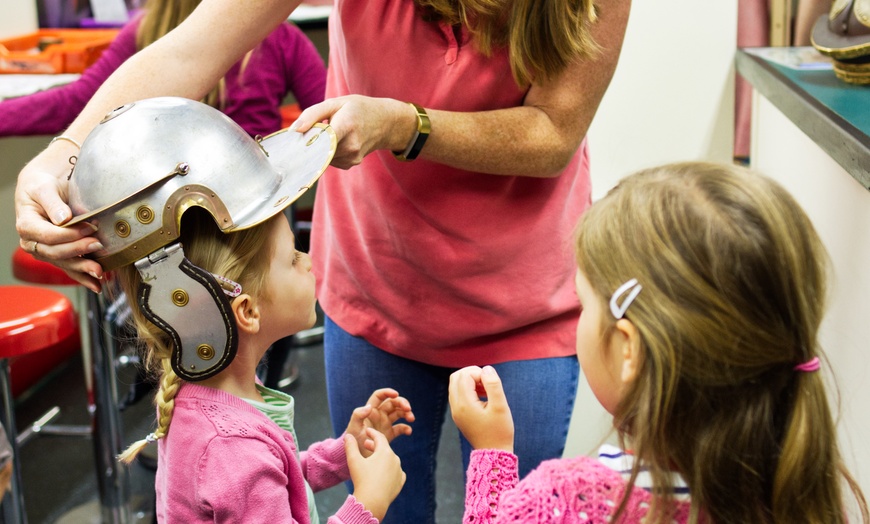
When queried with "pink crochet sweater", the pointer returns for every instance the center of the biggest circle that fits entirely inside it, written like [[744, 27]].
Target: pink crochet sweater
[[564, 490], [225, 461]]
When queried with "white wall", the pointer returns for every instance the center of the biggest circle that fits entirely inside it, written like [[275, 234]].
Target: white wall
[[19, 17], [839, 207], [671, 98]]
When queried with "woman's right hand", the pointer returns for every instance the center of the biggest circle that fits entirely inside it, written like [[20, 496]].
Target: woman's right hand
[[40, 209], [377, 479], [362, 124]]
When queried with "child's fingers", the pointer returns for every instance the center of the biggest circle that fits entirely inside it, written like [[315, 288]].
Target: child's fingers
[[463, 386], [361, 412], [358, 419], [401, 429], [378, 439], [375, 440], [380, 395], [351, 449], [395, 403], [492, 385], [396, 408], [407, 415]]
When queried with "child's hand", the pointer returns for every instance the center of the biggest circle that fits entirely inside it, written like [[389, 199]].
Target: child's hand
[[378, 478], [381, 412], [486, 424]]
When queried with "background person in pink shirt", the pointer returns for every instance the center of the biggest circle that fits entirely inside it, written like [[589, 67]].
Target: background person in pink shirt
[[438, 236], [251, 92], [703, 290]]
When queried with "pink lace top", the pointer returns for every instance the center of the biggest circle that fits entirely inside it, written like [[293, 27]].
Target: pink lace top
[[571, 490]]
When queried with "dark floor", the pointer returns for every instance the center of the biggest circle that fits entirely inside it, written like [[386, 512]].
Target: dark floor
[[58, 472]]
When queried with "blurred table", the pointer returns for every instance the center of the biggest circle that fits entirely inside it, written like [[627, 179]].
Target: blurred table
[[12, 85]]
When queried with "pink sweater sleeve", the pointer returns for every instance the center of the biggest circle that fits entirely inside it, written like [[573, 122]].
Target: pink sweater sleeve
[[352, 512], [51, 111], [252, 487], [579, 489], [490, 473], [324, 464]]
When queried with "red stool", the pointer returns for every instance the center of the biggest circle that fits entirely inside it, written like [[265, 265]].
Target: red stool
[[29, 369], [289, 114], [31, 319], [29, 269], [98, 353]]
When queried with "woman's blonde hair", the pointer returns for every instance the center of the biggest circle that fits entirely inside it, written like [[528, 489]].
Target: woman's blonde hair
[[162, 16], [734, 283], [542, 37], [242, 256]]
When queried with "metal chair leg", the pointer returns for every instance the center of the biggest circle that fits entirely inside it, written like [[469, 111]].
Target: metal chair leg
[[13, 501], [113, 480]]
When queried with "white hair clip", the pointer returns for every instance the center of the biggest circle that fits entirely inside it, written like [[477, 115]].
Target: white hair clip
[[230, 288], [633, 289]]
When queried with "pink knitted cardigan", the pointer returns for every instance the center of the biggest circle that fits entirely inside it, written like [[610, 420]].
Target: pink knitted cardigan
[[571, 490]]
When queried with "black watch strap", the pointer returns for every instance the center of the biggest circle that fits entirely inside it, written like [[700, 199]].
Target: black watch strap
[[419, 138]]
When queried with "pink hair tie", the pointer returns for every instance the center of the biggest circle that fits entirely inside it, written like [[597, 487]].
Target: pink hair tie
[[809, 365]]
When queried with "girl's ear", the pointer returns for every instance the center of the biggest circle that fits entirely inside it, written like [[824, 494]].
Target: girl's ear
[[247, 313], [629, 341]]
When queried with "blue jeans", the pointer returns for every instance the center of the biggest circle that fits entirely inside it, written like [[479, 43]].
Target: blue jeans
[[540, 392]]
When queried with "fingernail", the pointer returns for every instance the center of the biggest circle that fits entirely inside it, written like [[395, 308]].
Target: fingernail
[[96, 246], [488, 370], [60, 216], [93, 226], [94, 274]]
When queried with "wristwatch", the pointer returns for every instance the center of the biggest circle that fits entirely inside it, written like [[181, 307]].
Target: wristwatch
[[419, 138]]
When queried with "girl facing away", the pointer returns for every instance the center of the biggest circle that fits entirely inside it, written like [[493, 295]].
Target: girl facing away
[[702, 288], [227, 450]]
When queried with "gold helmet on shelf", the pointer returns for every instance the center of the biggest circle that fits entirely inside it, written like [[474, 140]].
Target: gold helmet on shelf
[[844, 35]]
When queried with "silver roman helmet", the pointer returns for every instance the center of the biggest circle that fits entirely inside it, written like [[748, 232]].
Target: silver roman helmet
[[144, 165]]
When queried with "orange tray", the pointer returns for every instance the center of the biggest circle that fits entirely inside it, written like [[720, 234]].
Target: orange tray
[[54, 51]]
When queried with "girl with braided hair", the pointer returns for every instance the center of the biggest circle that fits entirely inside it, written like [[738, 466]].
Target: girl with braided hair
[[227, 449]]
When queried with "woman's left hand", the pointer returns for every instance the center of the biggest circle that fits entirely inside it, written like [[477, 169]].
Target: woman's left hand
[[382, 411]]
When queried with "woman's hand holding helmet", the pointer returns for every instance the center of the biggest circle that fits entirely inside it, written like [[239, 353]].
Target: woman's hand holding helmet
[[40, 210]]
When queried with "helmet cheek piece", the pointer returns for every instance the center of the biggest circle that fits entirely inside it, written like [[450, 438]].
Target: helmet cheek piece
[[190, 306]]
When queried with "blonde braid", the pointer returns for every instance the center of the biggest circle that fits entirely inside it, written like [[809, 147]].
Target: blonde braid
[[165, 400]]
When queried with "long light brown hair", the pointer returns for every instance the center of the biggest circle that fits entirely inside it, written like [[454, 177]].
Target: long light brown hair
[[542, 36], [242, 256], [734, 287], [162, 16]]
